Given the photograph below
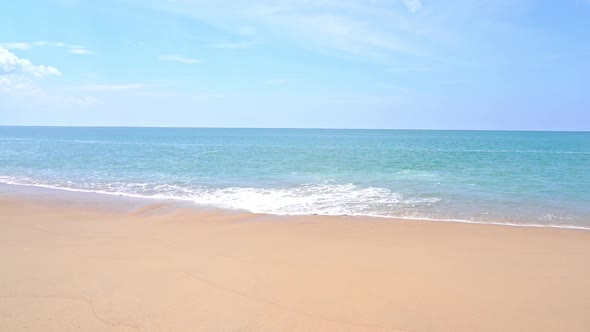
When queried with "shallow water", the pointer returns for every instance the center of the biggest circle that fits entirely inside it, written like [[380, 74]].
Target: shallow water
[[478, 176]]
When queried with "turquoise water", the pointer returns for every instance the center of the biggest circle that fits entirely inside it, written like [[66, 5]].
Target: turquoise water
[[540, 178]]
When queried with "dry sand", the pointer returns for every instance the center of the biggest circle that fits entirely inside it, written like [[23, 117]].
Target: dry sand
[[163, 269]]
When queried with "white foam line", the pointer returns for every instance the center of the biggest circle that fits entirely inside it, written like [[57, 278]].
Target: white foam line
[[497, 223], [116, 193], [164, 197]]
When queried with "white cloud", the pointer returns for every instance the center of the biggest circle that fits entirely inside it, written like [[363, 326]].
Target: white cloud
[[414, 5], [16, 46], [46, 43], [11, 64], [19, 78], [74, 49], [179, 58]]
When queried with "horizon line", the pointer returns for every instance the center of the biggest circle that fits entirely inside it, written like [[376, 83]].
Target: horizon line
[[294, 128]]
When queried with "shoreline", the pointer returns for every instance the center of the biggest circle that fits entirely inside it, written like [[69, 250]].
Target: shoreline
[[139, 199]]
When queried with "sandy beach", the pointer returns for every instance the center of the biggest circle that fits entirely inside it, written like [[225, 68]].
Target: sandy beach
[[157, 267]]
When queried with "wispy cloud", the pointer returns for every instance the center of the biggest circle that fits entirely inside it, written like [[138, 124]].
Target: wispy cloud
[[15, 82], [179, 58], [24, 90], [374, 28], [232, 45], [382, 30], [16, 46], [110, 87], [413, 5], [12, 64], [74, 49], [53, 44]]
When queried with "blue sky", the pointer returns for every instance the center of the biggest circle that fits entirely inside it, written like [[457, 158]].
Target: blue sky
[[434, 64]]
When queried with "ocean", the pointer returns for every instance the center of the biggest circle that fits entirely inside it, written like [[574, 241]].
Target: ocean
[[520, 178]]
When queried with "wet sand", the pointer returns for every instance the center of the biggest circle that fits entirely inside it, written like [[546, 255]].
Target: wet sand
[[158, 267]]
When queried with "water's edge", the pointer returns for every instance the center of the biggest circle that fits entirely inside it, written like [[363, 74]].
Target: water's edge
[[10, 189]]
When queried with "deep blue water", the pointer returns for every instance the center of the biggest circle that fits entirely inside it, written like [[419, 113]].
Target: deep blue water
[[481, 176]]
